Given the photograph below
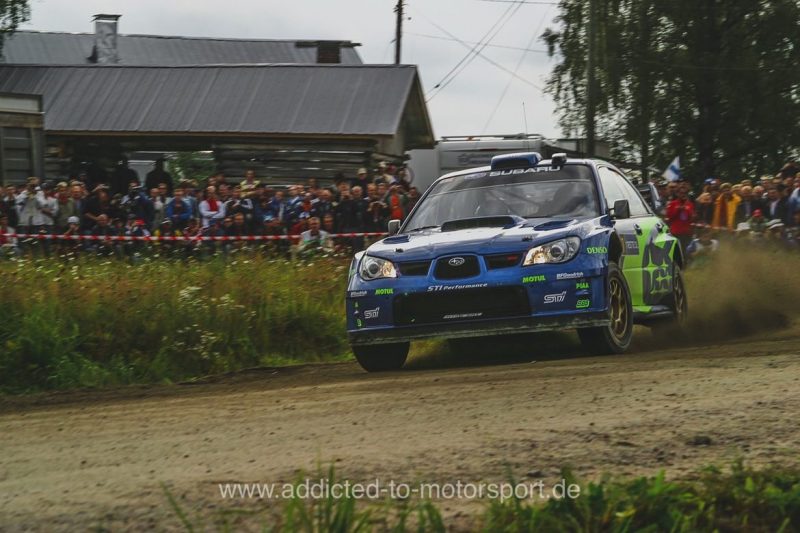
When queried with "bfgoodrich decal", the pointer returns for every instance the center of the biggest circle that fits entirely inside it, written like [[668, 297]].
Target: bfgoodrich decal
[[570, 275]]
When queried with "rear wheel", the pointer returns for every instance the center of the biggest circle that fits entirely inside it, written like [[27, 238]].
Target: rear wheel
[[381, 357], [616, 337], [664, 330]]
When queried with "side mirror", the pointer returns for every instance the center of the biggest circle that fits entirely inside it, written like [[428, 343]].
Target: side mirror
[[622, 210], [394, 227]]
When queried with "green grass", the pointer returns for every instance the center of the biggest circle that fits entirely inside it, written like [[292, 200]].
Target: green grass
[[740, 499], [87, 322]]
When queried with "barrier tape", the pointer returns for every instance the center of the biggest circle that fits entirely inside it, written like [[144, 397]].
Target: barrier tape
[[182, 238]]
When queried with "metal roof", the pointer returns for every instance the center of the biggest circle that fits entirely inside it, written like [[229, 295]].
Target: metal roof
[[366, 100], [55, 48]]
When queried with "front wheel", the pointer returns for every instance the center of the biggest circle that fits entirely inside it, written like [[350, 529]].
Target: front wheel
[[615, 337], [381, 357]]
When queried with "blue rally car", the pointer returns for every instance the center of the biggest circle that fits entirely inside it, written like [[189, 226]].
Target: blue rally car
[[523, 245]]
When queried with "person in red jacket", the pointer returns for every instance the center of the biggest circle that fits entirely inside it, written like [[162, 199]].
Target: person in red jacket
[[680, 216]]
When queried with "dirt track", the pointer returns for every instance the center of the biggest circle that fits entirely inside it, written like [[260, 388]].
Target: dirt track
[[82, 460]]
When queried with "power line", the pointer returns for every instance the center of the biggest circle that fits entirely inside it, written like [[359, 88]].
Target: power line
[[516, 69], [505, 46], [487, 59], [446, 79]]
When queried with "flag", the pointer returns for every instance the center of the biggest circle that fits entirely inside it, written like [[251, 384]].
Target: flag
[[673, 172]]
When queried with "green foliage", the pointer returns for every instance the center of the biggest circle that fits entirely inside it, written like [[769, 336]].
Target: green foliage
[[87, 322], [743, 499], [708, 80], [195, 166], [12, 14]]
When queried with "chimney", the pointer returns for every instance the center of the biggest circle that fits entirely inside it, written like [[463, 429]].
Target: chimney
[[105, 40], [329, 52]]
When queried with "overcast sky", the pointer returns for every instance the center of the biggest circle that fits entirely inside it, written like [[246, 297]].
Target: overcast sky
[[464, 107]]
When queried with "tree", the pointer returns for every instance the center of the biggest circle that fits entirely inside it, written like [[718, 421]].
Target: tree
[[12, 14], [714, 81]]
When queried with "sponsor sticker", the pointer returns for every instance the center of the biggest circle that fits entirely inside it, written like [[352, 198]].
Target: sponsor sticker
[[596, 250], [582, 304], [462, 315], [570, 275], [582, 285], [356, 294], [532, 170], [533, 279], [631, 245], [437, 288], [379, 292], [555, 298], [371, 313]]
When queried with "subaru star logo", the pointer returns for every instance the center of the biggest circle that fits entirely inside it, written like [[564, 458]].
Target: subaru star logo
[[456, 261]]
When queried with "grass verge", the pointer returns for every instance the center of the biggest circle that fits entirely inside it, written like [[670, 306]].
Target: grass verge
[[87, 323]]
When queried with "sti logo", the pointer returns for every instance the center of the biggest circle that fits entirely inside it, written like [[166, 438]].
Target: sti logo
[[533, 279], [379, 292], [371, 313], [555, 298]]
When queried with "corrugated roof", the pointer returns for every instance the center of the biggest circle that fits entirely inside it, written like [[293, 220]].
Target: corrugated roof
[[54, 48], [246, 99]]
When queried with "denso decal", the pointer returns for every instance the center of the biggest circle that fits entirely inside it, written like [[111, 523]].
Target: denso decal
[[597, 250], [570, 275], [356, 294], [582, 304], [436, 288], [379, 292], [533, 279], [555, 298]]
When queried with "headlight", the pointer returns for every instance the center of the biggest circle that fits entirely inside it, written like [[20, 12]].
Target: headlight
[[376, 268], [559, 251]]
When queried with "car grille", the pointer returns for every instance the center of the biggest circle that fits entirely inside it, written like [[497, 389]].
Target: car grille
[[457, 267], [460, 304], [414, 268]]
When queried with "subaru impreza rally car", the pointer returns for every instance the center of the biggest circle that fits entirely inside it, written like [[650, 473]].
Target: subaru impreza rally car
[[523, 245]]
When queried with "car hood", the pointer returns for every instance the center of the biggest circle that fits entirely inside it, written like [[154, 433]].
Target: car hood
[[428, 244]]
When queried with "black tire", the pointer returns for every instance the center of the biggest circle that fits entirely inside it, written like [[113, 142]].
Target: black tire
[[381, 357], [616, 337]]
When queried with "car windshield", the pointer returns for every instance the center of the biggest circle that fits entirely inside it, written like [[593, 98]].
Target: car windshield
[[539, 192]]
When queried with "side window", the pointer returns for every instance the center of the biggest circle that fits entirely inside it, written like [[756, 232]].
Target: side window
[[616, 187], [611, 189]]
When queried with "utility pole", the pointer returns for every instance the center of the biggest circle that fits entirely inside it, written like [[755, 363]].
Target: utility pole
[[591, 82], [398, 36]]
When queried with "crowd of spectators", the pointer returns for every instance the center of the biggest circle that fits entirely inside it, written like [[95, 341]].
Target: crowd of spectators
[[764, 210], [310, 216]]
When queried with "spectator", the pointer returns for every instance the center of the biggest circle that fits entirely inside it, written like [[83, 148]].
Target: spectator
[[725, 208], [413, 198], [314, 240], [680, 215], [159, 208], [396, 201], [157, 176], [8, 204], [68, 206], [757, 223], [178, 210], [702, 247], [72, 229], [98, 204], [276, 209], [776, 206], [136, 202], [103, 228], [8, 242], [362, 179], [249, 183], [212, 210], [122, 177], [244, 206], [322, 206], [748, 204]]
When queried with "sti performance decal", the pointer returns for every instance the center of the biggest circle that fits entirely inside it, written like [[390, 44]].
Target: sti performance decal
[[437, 288]]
